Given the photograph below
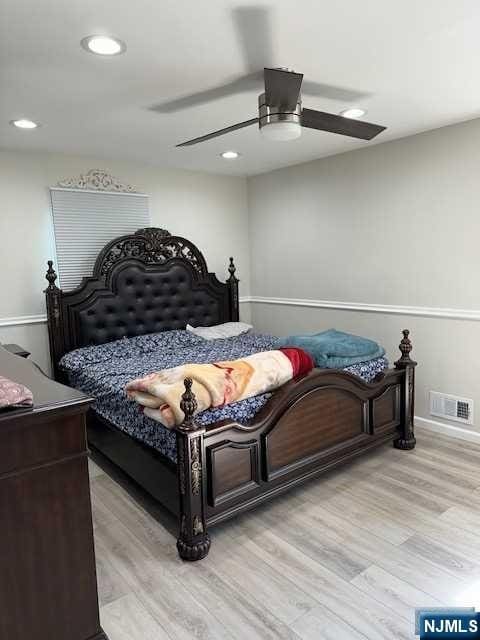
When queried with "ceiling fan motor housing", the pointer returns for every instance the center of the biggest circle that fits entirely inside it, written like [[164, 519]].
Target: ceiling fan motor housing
[[269, 115]]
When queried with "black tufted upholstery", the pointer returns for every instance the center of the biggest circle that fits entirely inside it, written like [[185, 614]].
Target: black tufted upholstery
[[147, 301]]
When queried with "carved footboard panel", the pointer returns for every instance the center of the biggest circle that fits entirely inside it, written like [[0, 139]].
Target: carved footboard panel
[[326, 422], [310, 425]]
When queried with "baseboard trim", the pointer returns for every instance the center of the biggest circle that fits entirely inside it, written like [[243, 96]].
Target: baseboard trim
[[426, 312], [447, 429]]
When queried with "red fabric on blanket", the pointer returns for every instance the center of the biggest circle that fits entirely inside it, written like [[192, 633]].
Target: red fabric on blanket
[[301, 361]]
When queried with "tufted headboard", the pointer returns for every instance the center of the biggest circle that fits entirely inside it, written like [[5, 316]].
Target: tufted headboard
[[141, 283]]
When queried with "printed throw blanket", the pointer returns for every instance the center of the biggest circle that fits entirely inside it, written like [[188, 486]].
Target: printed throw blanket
[[14, 394], [216, 384]]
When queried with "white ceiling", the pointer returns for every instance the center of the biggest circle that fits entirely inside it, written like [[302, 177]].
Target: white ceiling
[[416, 64]]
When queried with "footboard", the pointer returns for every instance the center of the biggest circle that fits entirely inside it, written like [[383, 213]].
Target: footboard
[[309, 426]]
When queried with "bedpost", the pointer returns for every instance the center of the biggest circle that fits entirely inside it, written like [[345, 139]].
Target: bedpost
[[53, 296], [193, 541], [407, 436], [232, 282]]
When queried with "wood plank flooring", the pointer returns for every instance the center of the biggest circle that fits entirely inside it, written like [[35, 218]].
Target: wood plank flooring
[[348, 556]]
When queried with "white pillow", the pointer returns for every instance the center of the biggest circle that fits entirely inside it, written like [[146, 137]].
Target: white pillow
[[225, 330]]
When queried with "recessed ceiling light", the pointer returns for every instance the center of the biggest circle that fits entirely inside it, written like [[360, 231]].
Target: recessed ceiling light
[[103, 45], [353, 113], [230, 155], [23, 123]]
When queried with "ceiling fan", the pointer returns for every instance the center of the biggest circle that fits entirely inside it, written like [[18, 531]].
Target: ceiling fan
[[281, 115], [280, 112]]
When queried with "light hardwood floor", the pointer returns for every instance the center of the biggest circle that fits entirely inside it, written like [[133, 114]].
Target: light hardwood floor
[[348, 556]]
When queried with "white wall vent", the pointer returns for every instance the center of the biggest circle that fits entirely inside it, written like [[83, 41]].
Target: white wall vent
[[451, 407]]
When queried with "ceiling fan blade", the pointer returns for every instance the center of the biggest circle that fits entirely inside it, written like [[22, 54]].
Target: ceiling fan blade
[[254, 33], [332, 92], [338, 124], [282, 88], [253, 29], [221, 132], [252, 81]]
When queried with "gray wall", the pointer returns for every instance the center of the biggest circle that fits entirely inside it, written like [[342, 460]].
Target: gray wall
[[395, 224], [210, 210]]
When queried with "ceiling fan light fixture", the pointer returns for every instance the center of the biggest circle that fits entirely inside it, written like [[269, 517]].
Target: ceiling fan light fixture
[[230, 155], [354, 113], [281, 131], [279, 123]]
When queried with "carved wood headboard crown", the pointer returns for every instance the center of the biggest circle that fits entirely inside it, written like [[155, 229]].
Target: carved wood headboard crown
[[152, 246], [142, 283]]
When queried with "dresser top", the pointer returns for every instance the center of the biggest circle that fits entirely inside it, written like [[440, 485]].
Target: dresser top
[[47, 394]]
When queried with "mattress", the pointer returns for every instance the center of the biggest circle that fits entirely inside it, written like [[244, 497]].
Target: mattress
[[103, 371]]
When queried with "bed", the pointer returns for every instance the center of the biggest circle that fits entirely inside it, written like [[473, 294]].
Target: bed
[[146, 287]]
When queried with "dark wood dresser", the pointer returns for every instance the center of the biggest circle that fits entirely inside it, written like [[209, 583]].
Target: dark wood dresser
[[48, 586]]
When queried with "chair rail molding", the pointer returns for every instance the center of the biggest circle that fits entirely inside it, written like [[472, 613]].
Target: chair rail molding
[[13, 321], [427, 312]]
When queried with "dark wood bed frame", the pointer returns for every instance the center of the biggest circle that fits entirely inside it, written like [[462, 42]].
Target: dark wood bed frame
[[152, 281]]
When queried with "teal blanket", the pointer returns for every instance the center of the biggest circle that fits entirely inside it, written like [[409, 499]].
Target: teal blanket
[[334, 349]]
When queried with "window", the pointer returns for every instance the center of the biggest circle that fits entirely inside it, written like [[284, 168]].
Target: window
[[85, 220]]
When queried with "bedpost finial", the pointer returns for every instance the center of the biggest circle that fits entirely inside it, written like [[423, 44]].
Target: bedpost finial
[[51, 276], [405, 347], [231, 270], [188, 404]]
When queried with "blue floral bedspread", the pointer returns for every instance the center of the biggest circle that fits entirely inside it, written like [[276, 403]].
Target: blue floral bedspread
[[103, 371]]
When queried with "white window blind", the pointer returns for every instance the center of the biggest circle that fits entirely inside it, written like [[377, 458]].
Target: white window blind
[[84, 221]]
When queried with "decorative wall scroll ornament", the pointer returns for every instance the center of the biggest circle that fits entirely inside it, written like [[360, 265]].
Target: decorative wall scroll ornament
[[196, 466], [97, 180], [152, 246]]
